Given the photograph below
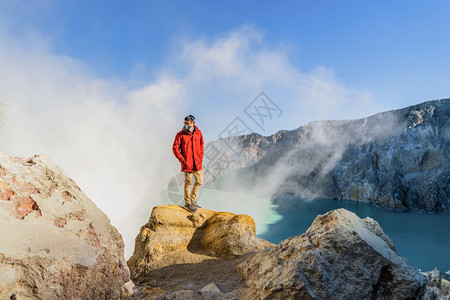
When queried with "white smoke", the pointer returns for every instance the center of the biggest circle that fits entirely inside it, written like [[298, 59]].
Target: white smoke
[[304, 162], [115, 141]]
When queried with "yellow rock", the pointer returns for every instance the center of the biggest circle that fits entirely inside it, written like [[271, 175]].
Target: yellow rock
[[174, 235]]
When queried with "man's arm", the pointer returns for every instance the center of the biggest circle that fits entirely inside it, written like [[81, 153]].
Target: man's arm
[[176, 148], [202, 147]]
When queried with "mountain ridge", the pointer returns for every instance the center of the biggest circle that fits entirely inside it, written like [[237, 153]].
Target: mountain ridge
[[376, 159]]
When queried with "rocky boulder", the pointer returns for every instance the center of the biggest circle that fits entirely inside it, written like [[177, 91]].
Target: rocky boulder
[[339, 257], [174, 235], [55, 243]]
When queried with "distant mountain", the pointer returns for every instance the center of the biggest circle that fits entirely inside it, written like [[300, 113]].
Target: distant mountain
[[398, 160]]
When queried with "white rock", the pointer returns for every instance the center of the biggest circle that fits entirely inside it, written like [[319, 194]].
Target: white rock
[[127, 289], [211, 288], [339, 255], [58, 242]]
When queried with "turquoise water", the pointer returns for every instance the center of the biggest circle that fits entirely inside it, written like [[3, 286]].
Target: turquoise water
[[423, 239], [262, 210]]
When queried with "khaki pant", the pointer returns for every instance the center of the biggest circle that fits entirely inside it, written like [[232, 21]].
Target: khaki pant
[[189, 196]]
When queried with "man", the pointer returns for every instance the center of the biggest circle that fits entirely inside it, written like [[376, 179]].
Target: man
[[188, 149]]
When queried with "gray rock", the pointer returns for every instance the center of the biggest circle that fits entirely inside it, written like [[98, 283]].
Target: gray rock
[[397, 160], [340, 257], [438, 286]]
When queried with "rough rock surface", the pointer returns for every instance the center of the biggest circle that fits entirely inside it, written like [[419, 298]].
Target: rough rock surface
[[54, 241], [397, 160], [173, 235], [438, 286], [339, 257], [213, 278]]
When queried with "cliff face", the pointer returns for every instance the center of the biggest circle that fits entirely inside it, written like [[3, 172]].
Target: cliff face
[[396, 160], [214, 255], [54, 242]]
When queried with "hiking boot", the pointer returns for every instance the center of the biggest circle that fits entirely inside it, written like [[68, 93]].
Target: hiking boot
[[190, 207], [195, 204]]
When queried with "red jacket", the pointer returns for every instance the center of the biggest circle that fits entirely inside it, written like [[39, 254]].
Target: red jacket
[[188, 149]]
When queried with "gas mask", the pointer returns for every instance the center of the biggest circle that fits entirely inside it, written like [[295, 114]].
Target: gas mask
[[188, 128]]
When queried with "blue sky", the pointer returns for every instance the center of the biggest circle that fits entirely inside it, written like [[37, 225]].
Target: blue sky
[[397, 49], [103, 86]]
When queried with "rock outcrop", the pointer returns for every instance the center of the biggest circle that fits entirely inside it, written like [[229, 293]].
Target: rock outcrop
[[438, 286], [339, 257], [173, 235], [215, 255], [397, 160], [54, 241]]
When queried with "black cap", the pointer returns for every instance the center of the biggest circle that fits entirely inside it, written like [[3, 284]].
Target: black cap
[[190, 118]]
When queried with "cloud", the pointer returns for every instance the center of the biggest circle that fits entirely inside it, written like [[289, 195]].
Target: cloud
[[228, 72], [115, 140]]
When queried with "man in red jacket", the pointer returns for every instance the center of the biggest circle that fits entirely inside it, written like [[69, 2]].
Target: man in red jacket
[[188, 149]]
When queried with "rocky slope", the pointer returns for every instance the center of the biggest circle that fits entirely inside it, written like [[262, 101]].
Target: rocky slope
[[54, 242], [216, 256], [397, 160]]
